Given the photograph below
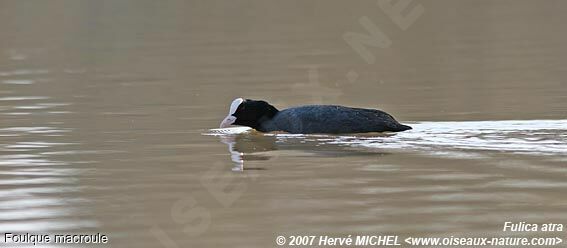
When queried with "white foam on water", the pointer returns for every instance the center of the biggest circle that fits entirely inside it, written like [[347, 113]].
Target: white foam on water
[[450, 137], [227, 131]]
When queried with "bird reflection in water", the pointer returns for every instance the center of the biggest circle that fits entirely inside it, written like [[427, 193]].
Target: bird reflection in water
[[256, 146], [242, 147]]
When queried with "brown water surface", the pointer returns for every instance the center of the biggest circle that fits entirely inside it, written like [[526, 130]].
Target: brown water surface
[[106, 111]]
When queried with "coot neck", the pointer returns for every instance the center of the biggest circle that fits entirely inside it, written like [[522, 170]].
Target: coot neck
[[264, 120]]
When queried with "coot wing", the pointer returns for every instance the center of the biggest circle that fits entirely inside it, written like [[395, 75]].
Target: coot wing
[[333, 119]]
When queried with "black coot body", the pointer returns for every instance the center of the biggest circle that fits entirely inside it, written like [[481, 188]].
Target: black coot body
[[310, 119], [332, 119]]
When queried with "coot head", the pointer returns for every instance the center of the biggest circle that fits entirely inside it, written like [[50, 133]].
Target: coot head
[[250, 113]]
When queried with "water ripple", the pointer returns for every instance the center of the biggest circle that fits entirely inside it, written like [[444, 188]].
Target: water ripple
[[22, 98], [33, 130], [23, 72], [18, 81], [453, 139]]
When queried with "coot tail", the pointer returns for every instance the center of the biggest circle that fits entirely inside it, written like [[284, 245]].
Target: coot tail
[[402, 127]]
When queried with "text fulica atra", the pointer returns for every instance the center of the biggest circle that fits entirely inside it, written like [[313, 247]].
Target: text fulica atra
[[332, 119]]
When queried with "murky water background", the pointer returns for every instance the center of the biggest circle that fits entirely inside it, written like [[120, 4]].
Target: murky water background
[[106, 109]]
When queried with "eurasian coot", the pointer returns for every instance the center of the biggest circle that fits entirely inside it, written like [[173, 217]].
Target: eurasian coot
[[332, 119]]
